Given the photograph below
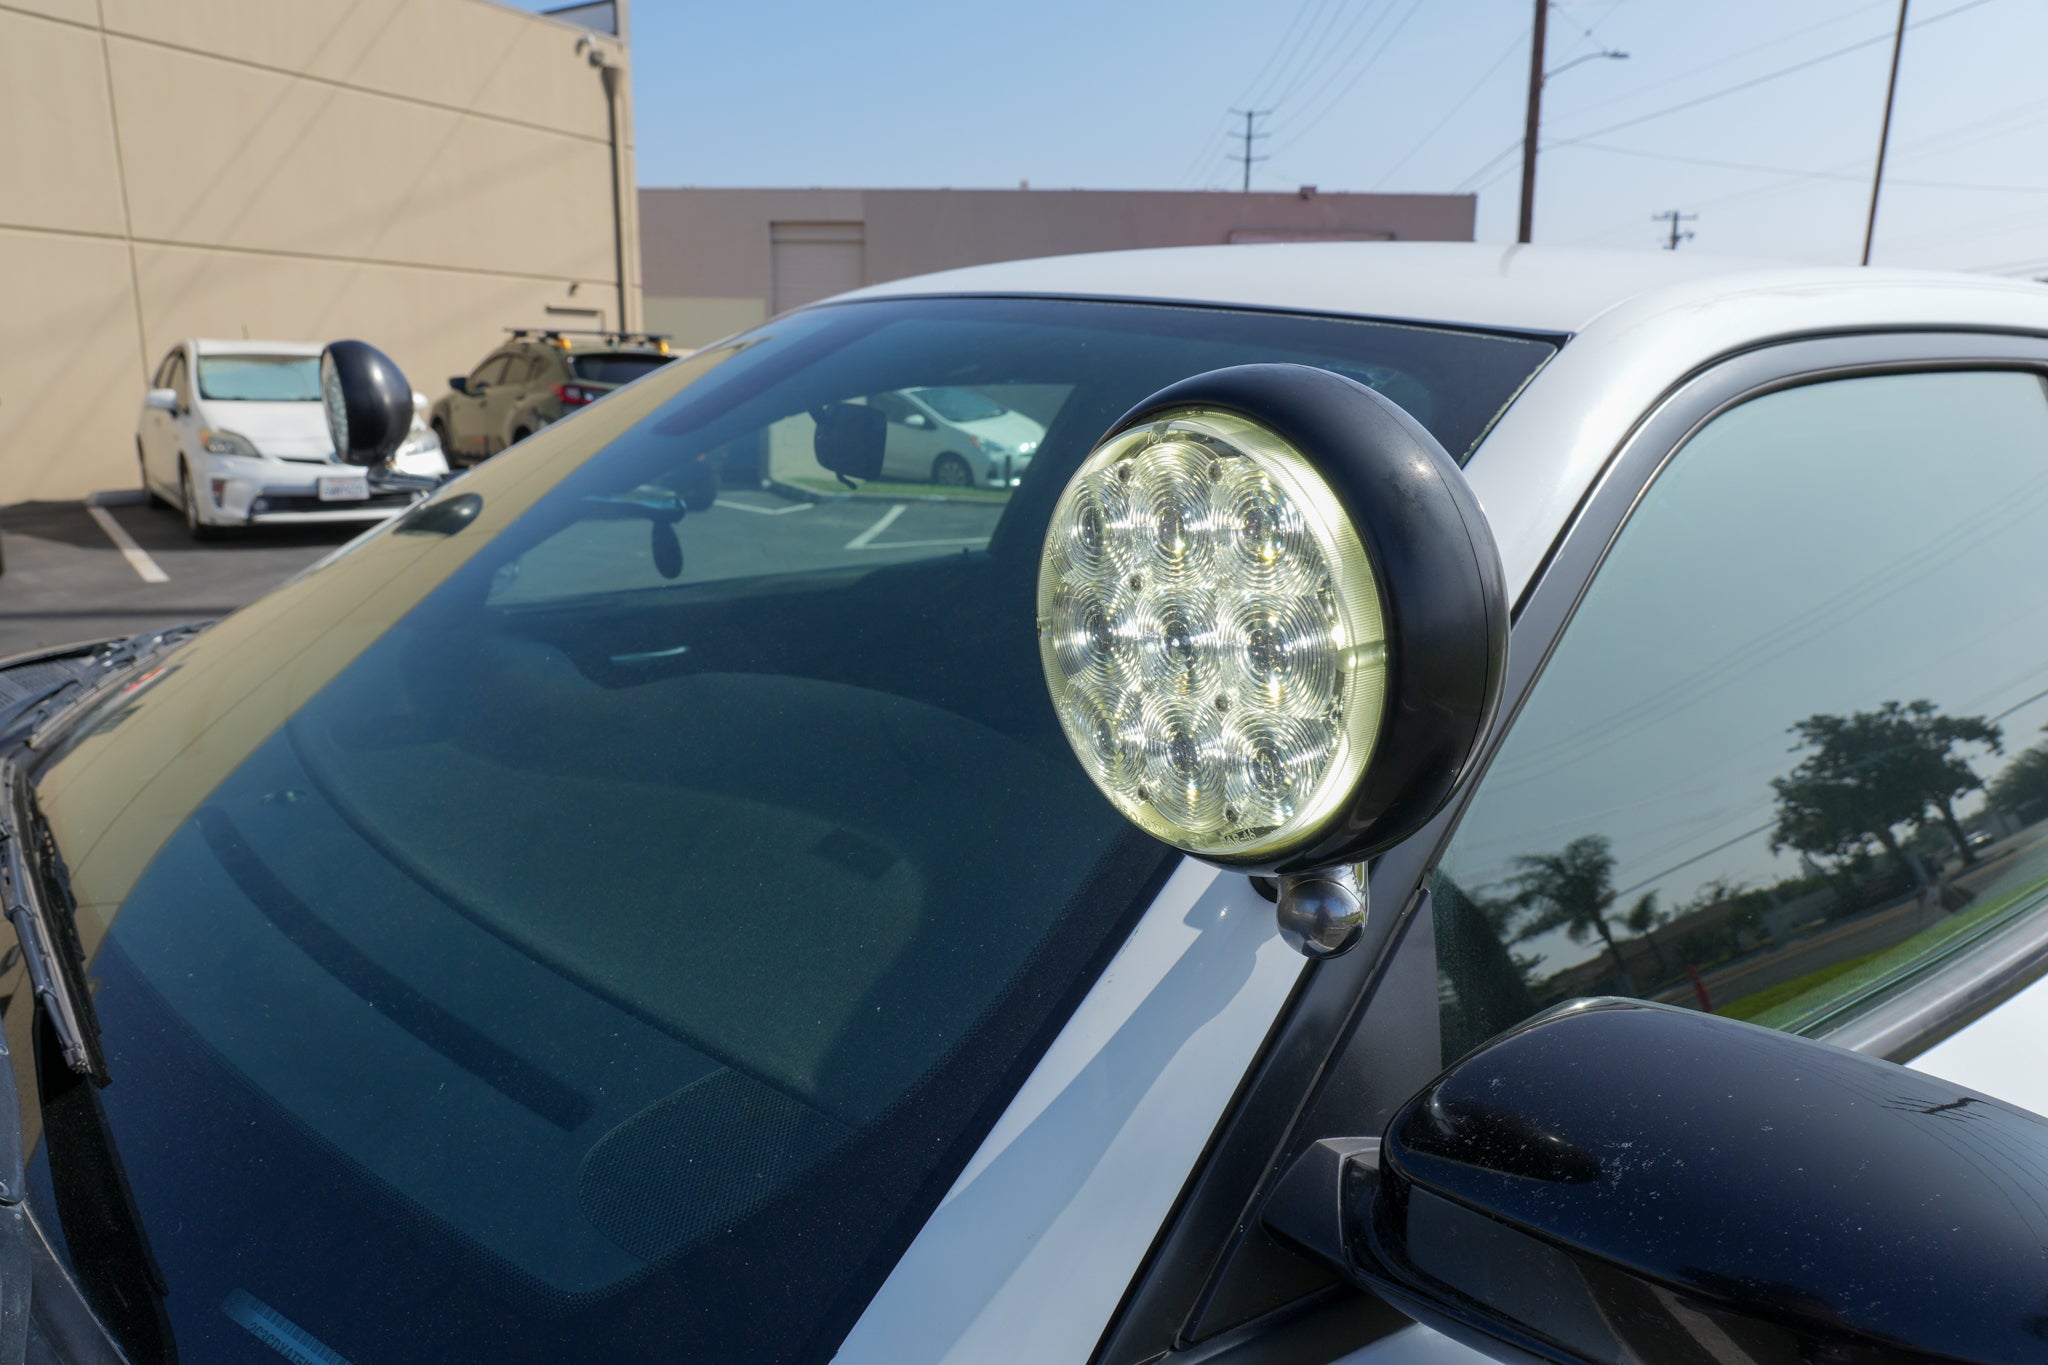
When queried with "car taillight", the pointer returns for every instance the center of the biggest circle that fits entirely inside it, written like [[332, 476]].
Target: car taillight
[[576, 395]]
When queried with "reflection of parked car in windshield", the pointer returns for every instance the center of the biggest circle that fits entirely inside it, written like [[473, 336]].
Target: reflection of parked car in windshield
[[955, 437], [234, 434]]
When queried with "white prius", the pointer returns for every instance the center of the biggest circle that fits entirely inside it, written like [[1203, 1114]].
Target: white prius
[[232, 434]]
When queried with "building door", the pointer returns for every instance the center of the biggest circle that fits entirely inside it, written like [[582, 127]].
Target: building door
[[811, 261]]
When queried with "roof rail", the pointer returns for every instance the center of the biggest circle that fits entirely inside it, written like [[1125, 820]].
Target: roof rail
[[559, 336]]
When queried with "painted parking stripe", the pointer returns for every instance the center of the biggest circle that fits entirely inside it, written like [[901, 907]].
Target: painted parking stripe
[[138, 558], [765, 511], [888, 519], [922, 544]]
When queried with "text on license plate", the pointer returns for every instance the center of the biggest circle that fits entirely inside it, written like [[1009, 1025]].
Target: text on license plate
[[344, 488]]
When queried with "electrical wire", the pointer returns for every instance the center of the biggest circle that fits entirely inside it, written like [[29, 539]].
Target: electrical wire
[[1520, 41], [1356, 76]]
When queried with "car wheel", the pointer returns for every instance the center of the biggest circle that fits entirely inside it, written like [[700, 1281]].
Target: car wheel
[[149, 492], [950, 471], [190, 497], [520, 435]]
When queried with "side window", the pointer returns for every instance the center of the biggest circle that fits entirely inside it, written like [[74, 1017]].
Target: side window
[[162, 378], [1789, 752], [174, 377], [492, 371]]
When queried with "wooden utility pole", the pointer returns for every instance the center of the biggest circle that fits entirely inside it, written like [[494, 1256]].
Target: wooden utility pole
[[1674, 217], [1535, 119], [1884, 137], [1249, 138]]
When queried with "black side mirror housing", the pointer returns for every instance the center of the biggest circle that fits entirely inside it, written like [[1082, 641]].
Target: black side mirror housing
[[850, 439], [459, 383], [1616, 1181], [368, 402]]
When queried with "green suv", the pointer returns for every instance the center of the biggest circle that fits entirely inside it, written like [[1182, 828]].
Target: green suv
[[535, 377]]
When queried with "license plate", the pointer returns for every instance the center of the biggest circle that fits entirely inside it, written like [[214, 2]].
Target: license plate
[[344, 488]]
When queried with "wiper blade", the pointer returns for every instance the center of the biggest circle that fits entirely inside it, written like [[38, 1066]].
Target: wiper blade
[[115, 662], [50, 950]]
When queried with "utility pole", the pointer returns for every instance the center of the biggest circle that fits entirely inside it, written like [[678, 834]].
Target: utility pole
[[1534, 121], [1538, 77], [1885, 136], [1674, 217], [1250, 137]]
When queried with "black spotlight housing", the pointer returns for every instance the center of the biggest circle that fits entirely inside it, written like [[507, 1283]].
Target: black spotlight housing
[[1443, 595], [368, 402]]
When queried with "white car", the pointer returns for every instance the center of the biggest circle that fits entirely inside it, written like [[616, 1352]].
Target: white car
[[232, 433], [1400, 838], [955, 437]]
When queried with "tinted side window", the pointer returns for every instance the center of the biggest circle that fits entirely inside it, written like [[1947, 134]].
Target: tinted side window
[[1788, 754], [491, 371]]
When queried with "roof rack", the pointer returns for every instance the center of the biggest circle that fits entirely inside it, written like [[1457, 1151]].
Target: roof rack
[[559, 336]]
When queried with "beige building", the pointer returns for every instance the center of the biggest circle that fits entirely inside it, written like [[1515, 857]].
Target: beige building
[[716, 260], [417, 173]]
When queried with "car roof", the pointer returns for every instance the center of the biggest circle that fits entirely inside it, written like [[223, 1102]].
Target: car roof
[[1556, 290], [244, 346]]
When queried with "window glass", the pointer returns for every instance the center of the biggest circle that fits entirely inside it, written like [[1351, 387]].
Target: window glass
[[260, 378], [491, 371], [174, 375], [603, 930], [959, 405], [162, 378], [1789, 753], [613, 368]]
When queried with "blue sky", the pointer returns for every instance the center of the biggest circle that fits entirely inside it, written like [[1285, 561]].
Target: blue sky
[[1416, 95]]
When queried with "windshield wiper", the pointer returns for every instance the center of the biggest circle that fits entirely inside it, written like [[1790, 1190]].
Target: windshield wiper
[[114, 663], [50, 950]]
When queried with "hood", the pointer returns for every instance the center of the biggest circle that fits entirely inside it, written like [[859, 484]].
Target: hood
[[287, 431]]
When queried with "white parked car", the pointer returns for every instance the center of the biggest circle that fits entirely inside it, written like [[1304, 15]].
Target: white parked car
[[233, 434], [1398, 839], [955, 437]]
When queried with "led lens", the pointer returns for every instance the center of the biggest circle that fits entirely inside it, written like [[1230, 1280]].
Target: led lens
[[1210, 630]]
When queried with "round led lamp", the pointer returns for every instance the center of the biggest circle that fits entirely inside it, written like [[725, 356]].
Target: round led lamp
[[1221, 637]]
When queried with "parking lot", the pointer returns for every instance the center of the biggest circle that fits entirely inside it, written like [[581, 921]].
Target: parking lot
[[79, 571]]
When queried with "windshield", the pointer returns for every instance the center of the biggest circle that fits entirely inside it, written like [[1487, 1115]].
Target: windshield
[[595, 931], [260, 378], [613, 368], [959, 405]]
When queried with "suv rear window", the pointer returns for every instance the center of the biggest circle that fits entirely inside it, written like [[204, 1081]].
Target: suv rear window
[[614, 367]]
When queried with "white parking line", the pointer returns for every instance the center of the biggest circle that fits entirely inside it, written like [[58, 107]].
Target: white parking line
[[920, 544], [765, 511], [137, 557], [888, 519]]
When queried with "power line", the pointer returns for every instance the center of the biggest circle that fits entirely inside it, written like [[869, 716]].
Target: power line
[[1510, 50], [1301, 10], [1357, 75], [1768, 76], [1884, 138], [1249, 138], [1313, 45]]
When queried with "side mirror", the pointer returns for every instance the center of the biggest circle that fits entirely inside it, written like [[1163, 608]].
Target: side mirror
[[368, 401], [1273, 624], [850, 439], [163, 400], [916, 419], [459, 383], [1616, 1181]]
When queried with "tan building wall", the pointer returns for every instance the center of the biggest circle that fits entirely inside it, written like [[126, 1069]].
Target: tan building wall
[[417, 173], [716, 260]]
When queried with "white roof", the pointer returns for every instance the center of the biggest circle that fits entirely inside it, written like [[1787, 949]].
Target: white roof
[[227, 346], [1527, 288]]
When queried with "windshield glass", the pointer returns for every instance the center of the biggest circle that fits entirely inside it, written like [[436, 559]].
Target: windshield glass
[[959, 405], [260, 378], [613, 368], [595, 931]]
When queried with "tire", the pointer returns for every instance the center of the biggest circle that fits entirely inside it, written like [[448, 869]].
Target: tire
[[519, 436], [447, 450], [950, 471], [154, 498], [189, 496]]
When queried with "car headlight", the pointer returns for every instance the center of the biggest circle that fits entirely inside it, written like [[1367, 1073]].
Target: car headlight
[[228, 443], [1273, 625], [1027, 447]]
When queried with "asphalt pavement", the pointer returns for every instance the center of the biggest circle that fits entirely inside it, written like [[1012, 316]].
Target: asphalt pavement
[[79, 571]]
